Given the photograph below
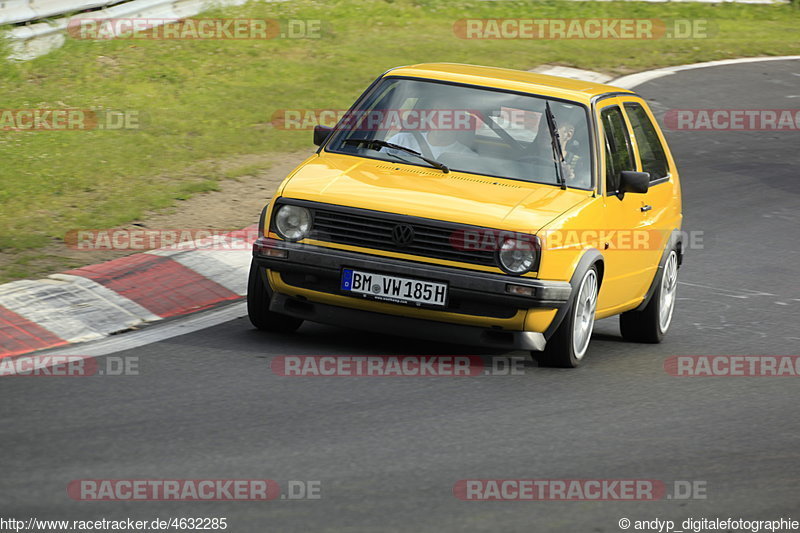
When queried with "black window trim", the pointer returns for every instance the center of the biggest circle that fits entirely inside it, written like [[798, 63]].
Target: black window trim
[[663, 148], [627, 141]]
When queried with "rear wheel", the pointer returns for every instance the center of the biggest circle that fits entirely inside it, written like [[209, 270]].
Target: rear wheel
[[570, 342], [651, 323], [258, 298]]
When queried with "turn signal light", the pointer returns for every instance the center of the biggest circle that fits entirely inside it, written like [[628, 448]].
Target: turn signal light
[[263, 247], [519, 290]]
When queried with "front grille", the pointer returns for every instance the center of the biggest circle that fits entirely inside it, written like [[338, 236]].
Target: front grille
[[374, 231]]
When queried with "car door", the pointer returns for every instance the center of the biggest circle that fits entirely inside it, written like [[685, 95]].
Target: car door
[[663, 207], [628, 263]]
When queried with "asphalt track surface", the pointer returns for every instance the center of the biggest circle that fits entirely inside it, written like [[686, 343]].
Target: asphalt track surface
[[388, 451]]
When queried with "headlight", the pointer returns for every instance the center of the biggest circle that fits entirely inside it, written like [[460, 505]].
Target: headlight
[[292, 222], [516, 255]]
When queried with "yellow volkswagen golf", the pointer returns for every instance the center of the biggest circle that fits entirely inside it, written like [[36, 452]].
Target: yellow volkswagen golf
[[478, 205]]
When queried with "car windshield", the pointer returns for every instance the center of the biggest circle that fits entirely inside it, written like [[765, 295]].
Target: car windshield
[[468, 129]]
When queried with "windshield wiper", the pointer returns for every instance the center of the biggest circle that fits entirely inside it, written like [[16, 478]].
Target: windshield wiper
[[555, 138], [377, 145]]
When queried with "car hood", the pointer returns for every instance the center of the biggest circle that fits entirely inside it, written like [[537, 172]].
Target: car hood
[[429, 193]]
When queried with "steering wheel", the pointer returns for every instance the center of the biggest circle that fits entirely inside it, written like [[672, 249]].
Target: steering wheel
[[504, 135]]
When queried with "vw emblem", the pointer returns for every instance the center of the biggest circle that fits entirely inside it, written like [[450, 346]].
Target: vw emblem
[[402, 234]]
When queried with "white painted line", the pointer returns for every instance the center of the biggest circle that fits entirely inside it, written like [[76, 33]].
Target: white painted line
[[572, 73], [74, 308], [738, 292], [156, 333], [632, 80]]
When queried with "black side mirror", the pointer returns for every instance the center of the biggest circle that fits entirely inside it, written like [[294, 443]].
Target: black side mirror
[[321, 133], [632, 181]]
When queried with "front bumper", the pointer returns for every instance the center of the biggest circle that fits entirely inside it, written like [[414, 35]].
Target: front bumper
[[471, 293], [425, 329]]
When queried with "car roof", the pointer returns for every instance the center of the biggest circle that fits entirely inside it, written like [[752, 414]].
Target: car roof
[[504, 78]]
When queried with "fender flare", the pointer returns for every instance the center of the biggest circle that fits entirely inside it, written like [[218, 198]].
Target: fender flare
[[675, 243], [590, 258]]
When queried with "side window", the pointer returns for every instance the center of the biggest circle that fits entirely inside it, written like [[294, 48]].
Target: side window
[[618, 147], [651, 151]]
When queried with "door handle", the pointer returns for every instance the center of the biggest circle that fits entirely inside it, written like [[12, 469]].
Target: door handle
[[645, 208]]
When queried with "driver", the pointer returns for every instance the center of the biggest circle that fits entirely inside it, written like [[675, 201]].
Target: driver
[[567, 120], [438, 141]]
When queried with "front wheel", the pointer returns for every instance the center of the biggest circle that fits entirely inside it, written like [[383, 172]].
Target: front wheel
[[258, 298], [651, 323], [570, 341]]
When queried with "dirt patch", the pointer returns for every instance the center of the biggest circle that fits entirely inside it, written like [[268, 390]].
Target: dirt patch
[[236, 204], [239, 201]]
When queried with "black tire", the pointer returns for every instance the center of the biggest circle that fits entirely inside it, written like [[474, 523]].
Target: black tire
[[648, 325], [258, 298], [560, 350]]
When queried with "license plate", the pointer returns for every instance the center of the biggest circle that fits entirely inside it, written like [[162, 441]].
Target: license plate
[[394, 288]]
